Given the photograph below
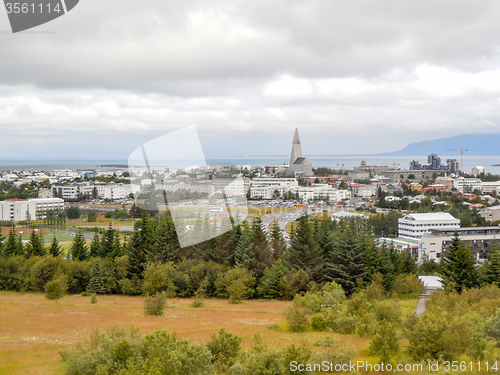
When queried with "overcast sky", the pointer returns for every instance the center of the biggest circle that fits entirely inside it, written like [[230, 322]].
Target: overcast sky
[[353, 76]]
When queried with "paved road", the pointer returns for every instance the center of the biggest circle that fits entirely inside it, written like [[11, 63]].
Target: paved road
[[419, 310]]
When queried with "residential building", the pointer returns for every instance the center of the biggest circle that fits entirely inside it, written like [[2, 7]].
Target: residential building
[[113, 191], [491, 213], [36, 208], [415, 225], [478, 169], [447, 182], [44, 193], [477, 239], [491, 187], [467, 184], [73, 191]]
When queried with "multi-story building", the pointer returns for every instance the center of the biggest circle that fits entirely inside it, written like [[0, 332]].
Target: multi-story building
[[491, 187], [73, 191], [113, 191], [467, 184], [477, 239], [22, 209], [447, 182], [415, 225], [491, 213]]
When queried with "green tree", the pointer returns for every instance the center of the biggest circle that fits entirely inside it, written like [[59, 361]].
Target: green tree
[[345, 264], [73, 212], [54, 248], [35, 247], [95, 247], [245, 254], [92, 216], [138, 247], [458, 267], [78, 248], [304, 252], [493, 265], [96, 284], [270, 284], [13, 245], [276, 241]]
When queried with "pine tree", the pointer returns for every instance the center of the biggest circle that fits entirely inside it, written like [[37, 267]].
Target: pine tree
[[345, 265], [406, 262], [324, 235], [270, 284], [458, 267], [35, 247], [54, 248], [138, 246], [2, 244], [107, 242], [244, 254], [95, 247], [262, 254], [493, 265], [276, 241], [96, 284], [305, 253], [166, 245], [371, 257], [78, 248], [13, 244]]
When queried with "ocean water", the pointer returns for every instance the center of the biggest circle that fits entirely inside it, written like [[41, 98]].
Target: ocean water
[[333, 161]]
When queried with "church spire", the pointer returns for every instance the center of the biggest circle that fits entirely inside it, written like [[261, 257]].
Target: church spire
[[296, 149]]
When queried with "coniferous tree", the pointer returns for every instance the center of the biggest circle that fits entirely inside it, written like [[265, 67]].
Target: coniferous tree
[[96, 284], [406, 262], [118, 249], [107, 243], [35, 247], [54, 248], [276, 241], [324, 235], [262, 253], [305, 253], [78, 248], [166, 245], [138, 246], [244, 254], [371, 257], [387, 267], [95, 247], [2, 244], [270, 284], [13, 244], [345, 265], [458, 267], [493, 265]]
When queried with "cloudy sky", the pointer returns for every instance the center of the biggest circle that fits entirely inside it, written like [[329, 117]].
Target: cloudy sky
[[353, 76]]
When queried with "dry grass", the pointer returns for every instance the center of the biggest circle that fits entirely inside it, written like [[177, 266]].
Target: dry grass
[[33, 330]]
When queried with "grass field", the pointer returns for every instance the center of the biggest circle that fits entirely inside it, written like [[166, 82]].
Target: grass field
[[33, 330]]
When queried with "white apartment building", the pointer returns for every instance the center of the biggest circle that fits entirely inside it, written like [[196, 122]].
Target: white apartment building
[[490, 187], [322, 191], [415, 225], [113, 191], [18, 209], [467, 184], [275, 182], [73, 191]]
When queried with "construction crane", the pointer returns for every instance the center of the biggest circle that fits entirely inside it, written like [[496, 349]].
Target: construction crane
[[462, 150]]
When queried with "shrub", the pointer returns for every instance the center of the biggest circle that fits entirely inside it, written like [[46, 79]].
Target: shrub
[[492, 327], [385, 343], [56, 288], [197, 303], [158, 279], [154, 305], [237, 283], [93, 298], [318, 323], [224, 348], [296, 315], [407, 284]]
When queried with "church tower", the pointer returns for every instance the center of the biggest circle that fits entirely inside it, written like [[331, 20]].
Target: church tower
[[296, 149]]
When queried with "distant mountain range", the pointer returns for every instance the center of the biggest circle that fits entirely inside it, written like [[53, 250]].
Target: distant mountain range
[[477, 144]]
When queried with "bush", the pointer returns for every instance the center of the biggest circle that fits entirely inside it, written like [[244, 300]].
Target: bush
[[237, 283], [158, 279], [224, 348], [296, 315], [318, 323], [56, 288], [407, 284], [154, 305], [197, 303], [385, 343], [93, 298]]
